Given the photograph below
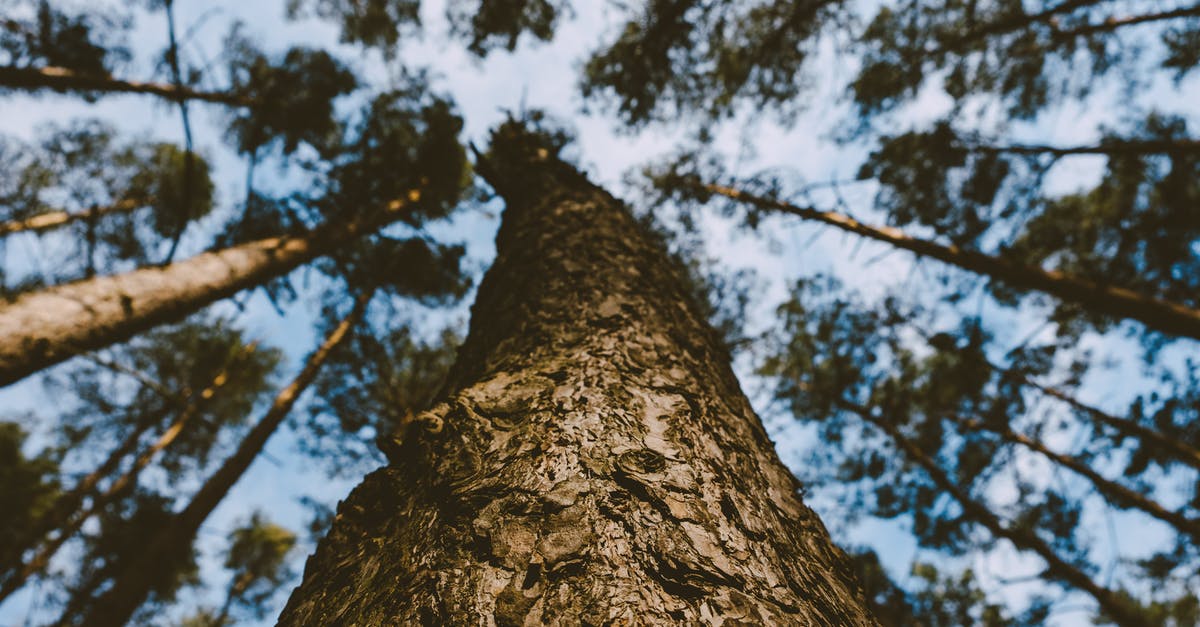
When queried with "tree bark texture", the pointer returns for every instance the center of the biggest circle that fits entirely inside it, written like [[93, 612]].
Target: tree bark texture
[[1157, 314], [42, 328], [593, 459]]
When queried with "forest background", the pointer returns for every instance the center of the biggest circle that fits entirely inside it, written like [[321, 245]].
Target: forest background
[[816, 145]]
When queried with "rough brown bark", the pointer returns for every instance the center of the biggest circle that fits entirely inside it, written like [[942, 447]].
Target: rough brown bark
[[134, 583], [42, 328], [592, 460], [57, 219], [1165, 316], [63, 79]]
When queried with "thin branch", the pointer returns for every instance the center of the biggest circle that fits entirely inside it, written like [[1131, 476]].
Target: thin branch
[[57, 219], [1014, 22], [189, 158], [1114, 23], [1161, 315], [158, 388], [63, 79], [1021, 538], [1110, 147]]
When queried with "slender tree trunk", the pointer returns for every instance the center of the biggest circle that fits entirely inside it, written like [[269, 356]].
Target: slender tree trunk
[[74, 523], [593, 459], [1022, 538], [1014, 22], [1113, 492], [1160, 315], [40, 329], [189, 160], [235, 590], [64, 80], [1166, 446], [134, 582], [1114, 23], [58, 219], [1109, 147]]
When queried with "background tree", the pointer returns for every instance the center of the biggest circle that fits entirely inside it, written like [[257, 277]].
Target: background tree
[[256, 560], [1050, 137], [964, 427], [391, 162], [164, 399]]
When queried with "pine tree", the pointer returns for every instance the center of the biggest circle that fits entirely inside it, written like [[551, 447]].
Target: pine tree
[[395, 160], [589, 436], [137, 579], [591, 441], [194, 380]]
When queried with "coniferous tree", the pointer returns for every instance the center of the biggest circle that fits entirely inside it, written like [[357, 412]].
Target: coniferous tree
[[535, 451], [855, 371], [969, 185], [938, 600], [200, 378], [410, 129], [122, 529], [256, 559], [120, 198], [28, 490]]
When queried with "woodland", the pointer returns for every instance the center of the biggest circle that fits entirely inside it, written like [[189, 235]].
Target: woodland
[[660, 312]]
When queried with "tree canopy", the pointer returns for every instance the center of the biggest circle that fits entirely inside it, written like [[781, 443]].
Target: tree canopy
[[213, 219]]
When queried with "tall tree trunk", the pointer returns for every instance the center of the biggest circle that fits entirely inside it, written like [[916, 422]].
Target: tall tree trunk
[[63, 79], [43, 328], [134, 582], [57, 219], [592, 460], [1165, 316]]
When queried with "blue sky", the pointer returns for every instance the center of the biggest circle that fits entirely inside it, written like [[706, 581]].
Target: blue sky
[[540, 75]]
